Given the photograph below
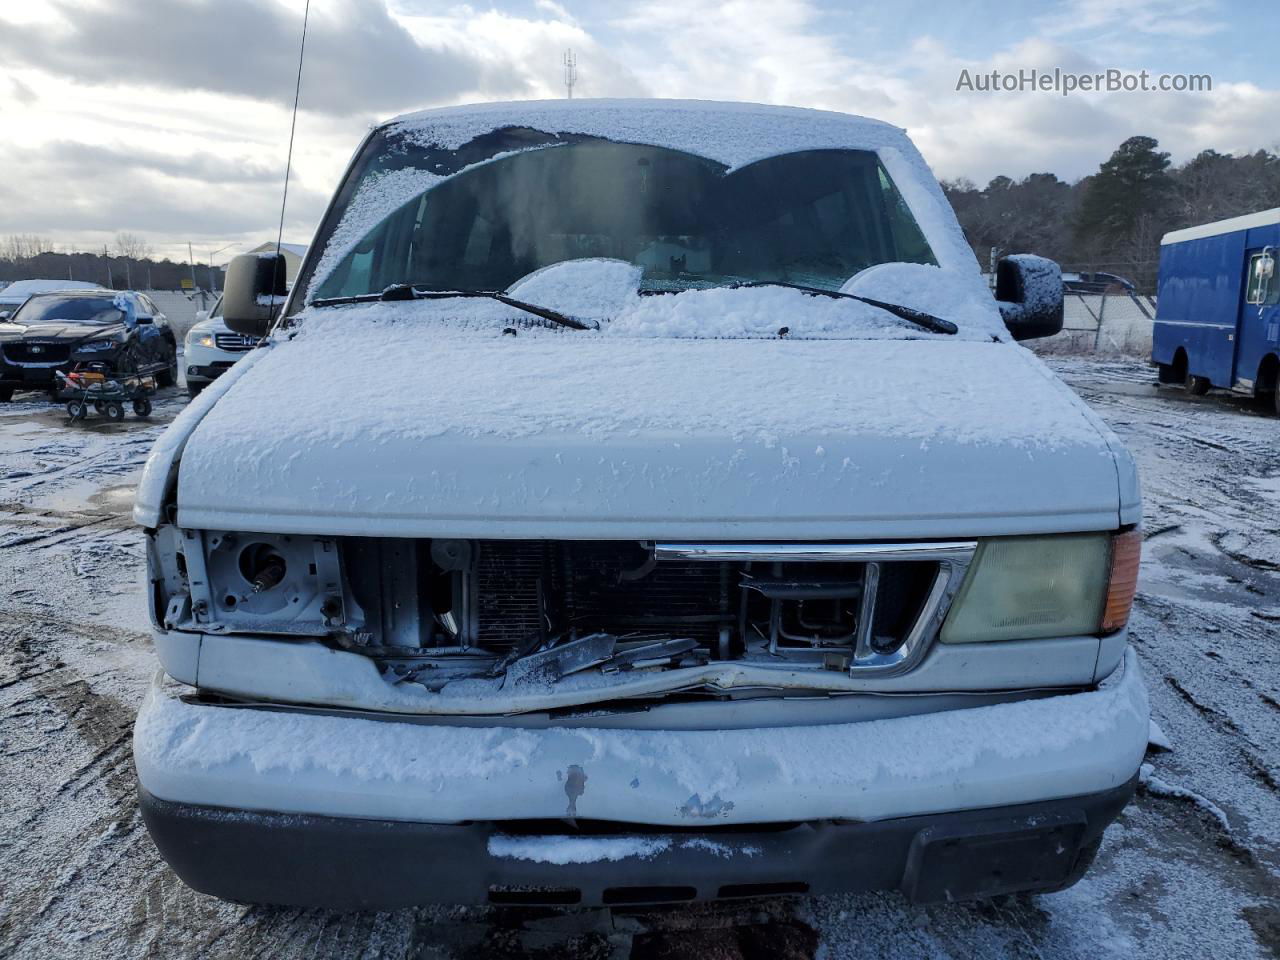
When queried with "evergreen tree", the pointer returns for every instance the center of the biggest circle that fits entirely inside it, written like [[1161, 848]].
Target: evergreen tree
[[1130, 191]]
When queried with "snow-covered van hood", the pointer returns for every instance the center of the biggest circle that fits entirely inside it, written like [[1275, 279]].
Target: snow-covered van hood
[[399, 427]]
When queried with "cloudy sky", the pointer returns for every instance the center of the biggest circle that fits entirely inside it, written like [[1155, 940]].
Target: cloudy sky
[[170, 118]]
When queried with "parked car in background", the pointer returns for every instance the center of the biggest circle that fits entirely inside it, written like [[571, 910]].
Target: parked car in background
[[1218, 310], [125, 331], [15, 294], [641, 502], [211, 348]]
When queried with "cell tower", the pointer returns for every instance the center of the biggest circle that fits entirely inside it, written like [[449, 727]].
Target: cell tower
[[570, 72]]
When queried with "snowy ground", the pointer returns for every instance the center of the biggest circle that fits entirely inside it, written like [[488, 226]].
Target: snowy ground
[[1191, 869]]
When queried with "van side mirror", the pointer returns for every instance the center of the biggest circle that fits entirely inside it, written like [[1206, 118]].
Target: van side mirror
[[5, 315], [253, 292], [1267, 273], [1029, 295]]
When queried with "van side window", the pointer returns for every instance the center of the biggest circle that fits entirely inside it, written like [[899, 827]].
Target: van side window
[[1262, 289]]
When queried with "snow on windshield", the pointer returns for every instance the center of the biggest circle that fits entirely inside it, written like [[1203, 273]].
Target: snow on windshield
[[607, 291]]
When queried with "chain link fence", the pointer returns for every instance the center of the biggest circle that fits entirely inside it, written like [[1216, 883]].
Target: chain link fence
[[1103, 313]]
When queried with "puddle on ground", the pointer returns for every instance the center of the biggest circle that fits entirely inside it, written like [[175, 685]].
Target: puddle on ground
[[117, 499]]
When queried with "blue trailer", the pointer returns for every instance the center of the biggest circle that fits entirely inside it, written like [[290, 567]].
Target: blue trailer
[[1218, 307]]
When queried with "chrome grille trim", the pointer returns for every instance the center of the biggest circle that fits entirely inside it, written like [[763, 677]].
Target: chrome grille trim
[[234, 342], [847, 552], [952, 557]]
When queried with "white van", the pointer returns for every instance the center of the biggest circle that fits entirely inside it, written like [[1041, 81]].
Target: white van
[[638, 502]]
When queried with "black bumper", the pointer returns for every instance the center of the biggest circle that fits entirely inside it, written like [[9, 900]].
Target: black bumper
[[29, 378], [350, 864]]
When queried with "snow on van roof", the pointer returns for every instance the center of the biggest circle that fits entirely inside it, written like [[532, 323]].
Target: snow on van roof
[[735, 134], [1263, 218]]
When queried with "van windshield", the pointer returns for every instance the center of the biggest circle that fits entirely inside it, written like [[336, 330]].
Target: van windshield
[[513, 201]]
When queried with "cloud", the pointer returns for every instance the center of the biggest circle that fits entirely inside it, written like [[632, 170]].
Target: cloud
[[1158, 18], [359, 58], [532, 48], [555, 9], [127, 159], [775, 51], [71, 188], [22, 93]]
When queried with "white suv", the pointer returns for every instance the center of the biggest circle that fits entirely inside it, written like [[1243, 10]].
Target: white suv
[[211, 348], [639, 502]]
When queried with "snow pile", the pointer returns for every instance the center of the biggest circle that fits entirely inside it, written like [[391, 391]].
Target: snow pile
[[591, 287], [18, 291], [960, 296], [1159, 787], [725, 313], [561, 850], [608, 290]]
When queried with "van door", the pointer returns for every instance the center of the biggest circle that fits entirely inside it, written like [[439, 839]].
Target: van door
[[1258, 329]]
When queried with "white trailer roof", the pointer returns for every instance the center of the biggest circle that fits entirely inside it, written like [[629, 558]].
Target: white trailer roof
[[1263, 218]]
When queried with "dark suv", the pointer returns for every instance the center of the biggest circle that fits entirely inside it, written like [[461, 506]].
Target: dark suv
[[52, 331]]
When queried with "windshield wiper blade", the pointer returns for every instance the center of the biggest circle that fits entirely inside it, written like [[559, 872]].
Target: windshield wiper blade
[[408, 291], [918, 317]]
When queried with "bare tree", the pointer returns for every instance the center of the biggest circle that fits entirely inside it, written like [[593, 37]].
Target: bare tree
[[130, 246], [24, 246]]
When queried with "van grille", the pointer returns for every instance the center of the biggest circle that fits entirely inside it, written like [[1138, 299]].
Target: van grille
[[818, 609]]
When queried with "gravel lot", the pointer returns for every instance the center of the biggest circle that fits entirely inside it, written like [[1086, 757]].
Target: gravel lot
[[1190, 870]]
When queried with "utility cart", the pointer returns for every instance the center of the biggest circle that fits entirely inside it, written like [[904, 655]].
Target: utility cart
[[106, 392]]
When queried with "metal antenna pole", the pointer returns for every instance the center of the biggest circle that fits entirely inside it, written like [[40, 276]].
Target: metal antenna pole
[[293, 126], [570, 72]]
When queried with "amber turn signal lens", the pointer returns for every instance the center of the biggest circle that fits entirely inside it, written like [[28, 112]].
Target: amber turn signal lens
[[1126, 552]]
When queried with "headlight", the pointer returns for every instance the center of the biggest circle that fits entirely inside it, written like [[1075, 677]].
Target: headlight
[[1023, 588], [97, 346], [200, 340]]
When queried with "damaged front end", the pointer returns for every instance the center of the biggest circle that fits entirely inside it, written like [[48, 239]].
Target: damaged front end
[[534, 613]]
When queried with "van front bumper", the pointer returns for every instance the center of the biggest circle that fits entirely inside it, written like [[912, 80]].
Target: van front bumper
[[341, 863], [344, 812]]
